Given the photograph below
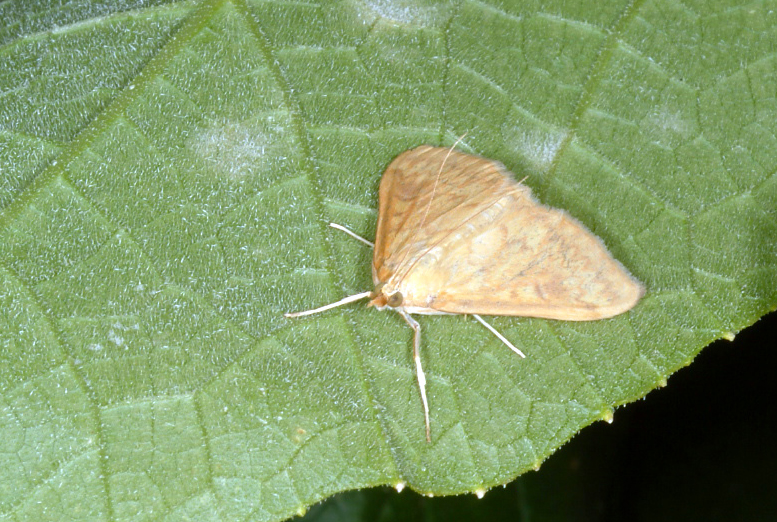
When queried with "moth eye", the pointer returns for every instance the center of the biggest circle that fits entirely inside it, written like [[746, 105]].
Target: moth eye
[[377, 290], [395, 300]]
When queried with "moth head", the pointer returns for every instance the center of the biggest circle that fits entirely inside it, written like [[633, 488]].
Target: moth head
[[381, 297]]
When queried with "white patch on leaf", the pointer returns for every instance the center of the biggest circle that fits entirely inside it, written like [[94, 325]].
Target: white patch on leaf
[[538, 148], [239, 149], [397, 11]]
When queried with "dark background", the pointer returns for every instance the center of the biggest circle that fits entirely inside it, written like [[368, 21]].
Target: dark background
[[702, 448]]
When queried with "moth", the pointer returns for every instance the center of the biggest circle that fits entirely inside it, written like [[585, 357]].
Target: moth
[[456, 234]]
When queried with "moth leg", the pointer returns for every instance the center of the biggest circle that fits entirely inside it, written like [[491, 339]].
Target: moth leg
[[352, 234], [419, 371], [341, 302], [499, 336]]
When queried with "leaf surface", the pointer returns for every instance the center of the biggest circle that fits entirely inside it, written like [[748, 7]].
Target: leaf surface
[[167, 176]]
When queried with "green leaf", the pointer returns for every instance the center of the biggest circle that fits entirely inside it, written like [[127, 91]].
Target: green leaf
[[166, 177]]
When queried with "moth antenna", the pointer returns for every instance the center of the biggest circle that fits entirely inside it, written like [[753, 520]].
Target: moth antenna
[[434, 189], [500, 336], [352, 234], [343, 301], [419, 371], [437, 179]]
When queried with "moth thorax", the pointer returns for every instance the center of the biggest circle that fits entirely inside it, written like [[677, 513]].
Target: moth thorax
[[380, 298]]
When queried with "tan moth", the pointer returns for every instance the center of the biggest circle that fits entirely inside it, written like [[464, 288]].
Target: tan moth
[[456, 234]]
